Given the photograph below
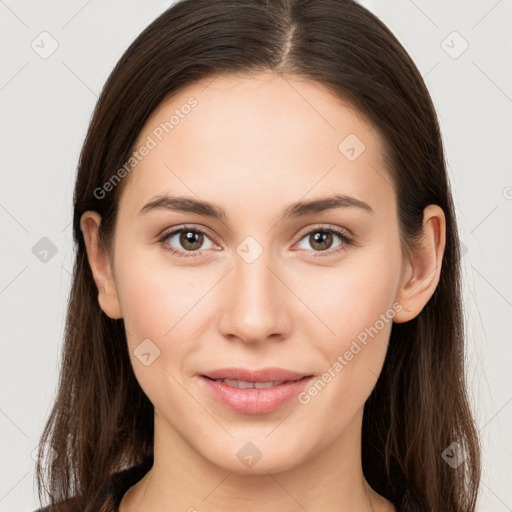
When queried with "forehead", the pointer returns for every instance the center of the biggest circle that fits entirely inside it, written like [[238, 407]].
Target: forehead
[[260, 138]]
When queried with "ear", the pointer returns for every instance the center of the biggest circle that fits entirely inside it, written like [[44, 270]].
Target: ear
[[422, 270], [100, 265]]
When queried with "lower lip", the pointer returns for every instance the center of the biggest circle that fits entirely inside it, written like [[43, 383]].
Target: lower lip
[[255, 401]]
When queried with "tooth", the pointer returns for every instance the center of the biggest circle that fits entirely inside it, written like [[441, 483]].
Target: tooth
[[263, 385], [229, 382], [242, 384]]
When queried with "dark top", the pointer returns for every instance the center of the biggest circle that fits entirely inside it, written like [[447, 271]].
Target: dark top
[[110, 495]]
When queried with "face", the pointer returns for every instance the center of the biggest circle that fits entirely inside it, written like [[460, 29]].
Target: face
[[268, 282]]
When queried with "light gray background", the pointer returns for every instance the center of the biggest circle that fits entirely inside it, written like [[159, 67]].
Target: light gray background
[[46, 106]]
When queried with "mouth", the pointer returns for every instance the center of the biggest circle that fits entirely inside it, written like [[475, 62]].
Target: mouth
[[245, 384], [258, 392]]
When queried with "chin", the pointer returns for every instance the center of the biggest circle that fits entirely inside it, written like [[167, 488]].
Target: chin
[[258, 457]]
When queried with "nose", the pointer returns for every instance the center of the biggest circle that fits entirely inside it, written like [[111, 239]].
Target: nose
[[256, 304]]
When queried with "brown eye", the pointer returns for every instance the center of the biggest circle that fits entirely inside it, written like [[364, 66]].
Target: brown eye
[[191, 240], [186, 240], [321, 240]]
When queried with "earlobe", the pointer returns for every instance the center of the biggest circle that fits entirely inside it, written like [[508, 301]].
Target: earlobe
[[100, 265], [423, 270]]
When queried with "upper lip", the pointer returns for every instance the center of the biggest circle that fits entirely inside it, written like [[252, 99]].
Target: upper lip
[[261, 375]]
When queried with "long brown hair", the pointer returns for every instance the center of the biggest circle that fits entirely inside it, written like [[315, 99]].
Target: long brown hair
[[101, 420]]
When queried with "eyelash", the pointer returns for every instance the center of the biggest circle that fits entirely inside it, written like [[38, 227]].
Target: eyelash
[[346, 239]]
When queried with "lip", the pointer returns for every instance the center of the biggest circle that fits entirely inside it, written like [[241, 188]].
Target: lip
[[261, 375], [252, 400]]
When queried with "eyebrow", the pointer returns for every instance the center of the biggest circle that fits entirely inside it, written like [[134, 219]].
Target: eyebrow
[[298, 209]]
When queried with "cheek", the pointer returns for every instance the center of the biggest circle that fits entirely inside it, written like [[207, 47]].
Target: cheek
[[350, 298], [353, 360], [358, 309], [144, 302], [164, 304], [155, 295]]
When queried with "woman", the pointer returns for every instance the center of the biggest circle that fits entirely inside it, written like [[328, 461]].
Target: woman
[[266, 309]]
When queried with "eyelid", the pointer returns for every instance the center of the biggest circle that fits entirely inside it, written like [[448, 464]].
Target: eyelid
[[347, 237], [166, 233], [191, 227], [325, 227]]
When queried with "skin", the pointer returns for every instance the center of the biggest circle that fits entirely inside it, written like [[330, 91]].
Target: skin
[[253, 146]]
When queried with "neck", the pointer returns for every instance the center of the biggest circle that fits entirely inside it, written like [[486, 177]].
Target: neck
[[181, 479]]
